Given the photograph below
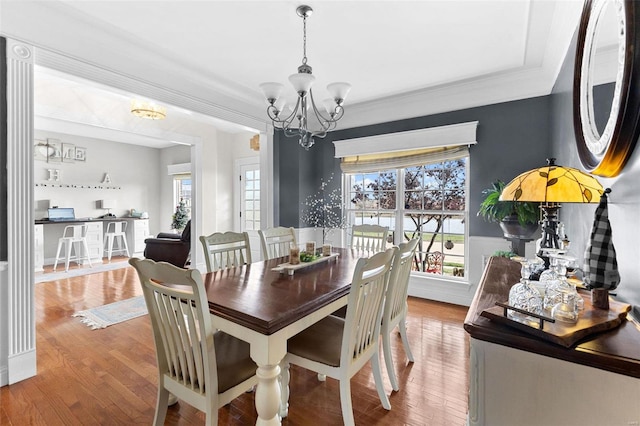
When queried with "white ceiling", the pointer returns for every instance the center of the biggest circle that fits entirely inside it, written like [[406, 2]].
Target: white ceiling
[[403, 58]]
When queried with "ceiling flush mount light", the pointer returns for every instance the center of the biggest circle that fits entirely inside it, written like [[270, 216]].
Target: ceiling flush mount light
[[295, 122], [148, 110]]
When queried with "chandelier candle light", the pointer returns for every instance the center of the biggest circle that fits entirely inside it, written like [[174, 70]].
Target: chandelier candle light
[[295, 123]]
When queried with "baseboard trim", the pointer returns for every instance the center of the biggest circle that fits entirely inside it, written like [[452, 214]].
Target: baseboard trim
[[21, 366], [4, 376]]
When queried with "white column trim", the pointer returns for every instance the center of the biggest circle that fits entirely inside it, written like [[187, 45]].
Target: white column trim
[[266, 178], [197, 210], [20, 221]]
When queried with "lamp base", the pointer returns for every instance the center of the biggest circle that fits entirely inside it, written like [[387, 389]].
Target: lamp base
[[549, 230]]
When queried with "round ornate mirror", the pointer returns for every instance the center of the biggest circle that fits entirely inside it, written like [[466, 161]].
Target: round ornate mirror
[[606, 89]]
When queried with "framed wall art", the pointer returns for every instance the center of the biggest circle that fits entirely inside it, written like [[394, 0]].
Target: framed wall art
[[81, 153], [68, 153], [55, 151], [41, 150]]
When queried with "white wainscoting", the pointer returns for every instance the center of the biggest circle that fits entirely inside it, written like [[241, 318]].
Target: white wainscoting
[[459, 292]]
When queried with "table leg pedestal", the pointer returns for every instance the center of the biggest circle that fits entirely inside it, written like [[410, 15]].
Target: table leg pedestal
[[284, 389], [268, 395]]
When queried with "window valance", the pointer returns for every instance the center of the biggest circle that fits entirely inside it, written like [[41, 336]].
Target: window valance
[[179, 169], [406, 149]]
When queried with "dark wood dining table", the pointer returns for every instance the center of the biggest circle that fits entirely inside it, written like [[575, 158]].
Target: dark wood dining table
[[265, 307]]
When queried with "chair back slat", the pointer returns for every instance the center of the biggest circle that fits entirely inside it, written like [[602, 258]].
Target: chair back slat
[[364, 307], [226, 250], [116, 227], [396, 300], [75, 231], [371, 238], [276, 242], [183, 332]]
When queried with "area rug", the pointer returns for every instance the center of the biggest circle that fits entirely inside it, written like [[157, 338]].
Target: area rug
[[113, 313], [97, 268]]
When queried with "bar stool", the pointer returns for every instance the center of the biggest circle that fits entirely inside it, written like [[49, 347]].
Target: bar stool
[[74, 237], [116, 232]]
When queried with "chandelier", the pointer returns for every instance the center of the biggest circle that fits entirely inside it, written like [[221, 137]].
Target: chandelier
[[295, 123], [148, 110]]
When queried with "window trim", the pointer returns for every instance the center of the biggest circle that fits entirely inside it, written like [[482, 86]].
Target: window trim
[[399, 214]]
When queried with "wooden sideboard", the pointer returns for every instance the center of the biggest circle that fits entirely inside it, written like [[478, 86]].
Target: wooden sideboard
[[516, 378]]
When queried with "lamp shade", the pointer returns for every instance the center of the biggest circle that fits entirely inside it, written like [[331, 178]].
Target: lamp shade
[[301, 82], [271, 90], [329, 106], [108, 204], [280, 105], [553, 184], [339, 91]]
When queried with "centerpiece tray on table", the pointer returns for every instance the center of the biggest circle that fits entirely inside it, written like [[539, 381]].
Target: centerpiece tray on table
[[290, 269], [590, 320]]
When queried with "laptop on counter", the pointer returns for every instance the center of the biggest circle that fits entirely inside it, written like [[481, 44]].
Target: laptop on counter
[[59, 214]]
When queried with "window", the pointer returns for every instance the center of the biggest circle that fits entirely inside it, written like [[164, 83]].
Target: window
[[426, 201], [414, 182], [182, 191]]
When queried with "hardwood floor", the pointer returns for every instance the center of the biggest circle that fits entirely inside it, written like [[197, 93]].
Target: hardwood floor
[[108, 376]]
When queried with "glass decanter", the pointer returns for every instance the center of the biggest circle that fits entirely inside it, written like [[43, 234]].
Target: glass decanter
[[571, 263], [550, 274], [566, 310], [560, 297], [525, 296]]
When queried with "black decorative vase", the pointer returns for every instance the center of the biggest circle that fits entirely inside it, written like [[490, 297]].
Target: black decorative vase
[[512, 228]]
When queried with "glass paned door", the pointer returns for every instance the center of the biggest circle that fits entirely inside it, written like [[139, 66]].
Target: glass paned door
[[250, 197]]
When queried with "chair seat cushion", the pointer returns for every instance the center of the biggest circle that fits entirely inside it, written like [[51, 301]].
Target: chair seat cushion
[[234, 362], [321, 342]]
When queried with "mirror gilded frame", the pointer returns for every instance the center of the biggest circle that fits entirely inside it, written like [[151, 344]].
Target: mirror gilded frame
[[605, 152]]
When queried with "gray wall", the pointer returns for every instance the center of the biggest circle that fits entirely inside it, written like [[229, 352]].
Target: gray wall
[[624, 201], [512, 137]]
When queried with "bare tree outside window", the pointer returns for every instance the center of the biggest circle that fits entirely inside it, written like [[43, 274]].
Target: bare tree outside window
[[433, 209]]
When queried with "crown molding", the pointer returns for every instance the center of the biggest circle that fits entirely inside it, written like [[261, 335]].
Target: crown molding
[[163, 79], [536, 77], [117, 59]]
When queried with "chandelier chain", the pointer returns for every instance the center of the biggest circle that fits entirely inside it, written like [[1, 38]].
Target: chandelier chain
[[304, 39]]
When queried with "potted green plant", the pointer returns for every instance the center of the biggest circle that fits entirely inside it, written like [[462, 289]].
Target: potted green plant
[[518, 219]]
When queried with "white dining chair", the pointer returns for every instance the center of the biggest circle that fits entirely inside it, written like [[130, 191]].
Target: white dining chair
[[372, 238], [395, 306], [74, 239], [207, 369], [276, 241], [226, 250], [339, 348], [116, 233]]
